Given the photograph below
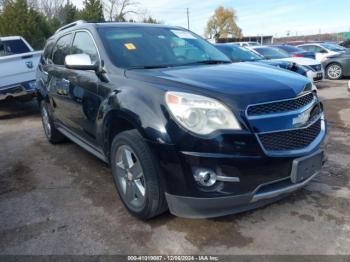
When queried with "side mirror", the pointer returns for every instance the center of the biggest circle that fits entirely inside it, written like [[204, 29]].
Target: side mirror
[[349, 86], [323, 51], [80, 62]]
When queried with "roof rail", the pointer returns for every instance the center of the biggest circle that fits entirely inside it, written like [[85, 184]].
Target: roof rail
[[79, 22]]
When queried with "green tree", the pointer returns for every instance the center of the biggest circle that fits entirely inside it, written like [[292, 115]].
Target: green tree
[[19, 19], [151, 20], [223, 24], [92, 11], [67, 13]]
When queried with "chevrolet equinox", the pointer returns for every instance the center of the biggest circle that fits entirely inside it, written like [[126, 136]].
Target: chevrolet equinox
[[181, 127]]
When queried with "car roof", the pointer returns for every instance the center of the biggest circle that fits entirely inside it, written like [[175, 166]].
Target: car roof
[[86, 25], [311, 44], [9, 38], [261, 46]]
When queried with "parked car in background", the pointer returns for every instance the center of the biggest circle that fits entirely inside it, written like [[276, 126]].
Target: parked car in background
[[345, 43], [18, 62], [315, 72], [323, 50], [245, 44], [295, 51], [194, 133], [242, 54], [337, 66]]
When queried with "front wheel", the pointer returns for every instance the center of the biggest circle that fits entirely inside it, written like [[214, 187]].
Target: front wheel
[[136, 175], [334, 71]]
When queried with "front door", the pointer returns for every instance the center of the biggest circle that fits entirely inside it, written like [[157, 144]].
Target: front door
[[83, 100]]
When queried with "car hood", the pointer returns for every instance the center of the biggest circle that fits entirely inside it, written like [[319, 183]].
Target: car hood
[[238, 84], [300, 60]]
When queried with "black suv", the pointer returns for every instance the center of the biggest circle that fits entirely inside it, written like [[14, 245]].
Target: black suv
[[180, 125]]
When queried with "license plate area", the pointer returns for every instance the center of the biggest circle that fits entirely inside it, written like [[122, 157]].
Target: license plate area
[[305, 167]]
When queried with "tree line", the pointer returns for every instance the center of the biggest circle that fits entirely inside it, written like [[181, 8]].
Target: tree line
[[37, 20]]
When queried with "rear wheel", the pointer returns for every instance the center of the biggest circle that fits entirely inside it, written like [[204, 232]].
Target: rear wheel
[[51, 132], [136, 175], [334, 71]]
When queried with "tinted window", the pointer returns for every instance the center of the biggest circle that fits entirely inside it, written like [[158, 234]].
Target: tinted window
[[156, 46], [83, 44], [271, 53], [48, 50], [289, 48], [62, 49], [313, 48], [333, 47], [306, 48], [12, 47], [238, 54]]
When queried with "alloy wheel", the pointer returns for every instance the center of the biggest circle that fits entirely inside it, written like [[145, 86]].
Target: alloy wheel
[[334, 71], [46, 121], [130, 178]]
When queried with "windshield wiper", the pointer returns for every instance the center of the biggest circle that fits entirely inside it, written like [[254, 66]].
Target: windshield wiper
[[208, 62], [147, 67]]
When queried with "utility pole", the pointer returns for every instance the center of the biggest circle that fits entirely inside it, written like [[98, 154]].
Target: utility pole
[[188, 18]]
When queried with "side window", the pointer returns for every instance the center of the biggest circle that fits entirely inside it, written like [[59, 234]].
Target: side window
[[319, 50], [83, 44], [307, 48], [2, 50], [48, 51], [62, 49]]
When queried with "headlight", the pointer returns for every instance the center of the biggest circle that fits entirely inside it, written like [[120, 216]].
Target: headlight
[[200, 114]]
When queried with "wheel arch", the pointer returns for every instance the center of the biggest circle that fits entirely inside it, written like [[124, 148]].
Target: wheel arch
[[115, 122]]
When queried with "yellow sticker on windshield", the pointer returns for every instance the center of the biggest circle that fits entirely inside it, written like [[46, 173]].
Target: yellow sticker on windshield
[[130, 46]]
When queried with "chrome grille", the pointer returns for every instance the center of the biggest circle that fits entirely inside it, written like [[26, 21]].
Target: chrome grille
[[316, 67]]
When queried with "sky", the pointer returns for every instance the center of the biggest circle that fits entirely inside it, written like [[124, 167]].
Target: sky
[[256, 17]]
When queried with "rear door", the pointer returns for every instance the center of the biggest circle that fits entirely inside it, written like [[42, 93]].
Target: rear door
[[58, 83], [320, 52]]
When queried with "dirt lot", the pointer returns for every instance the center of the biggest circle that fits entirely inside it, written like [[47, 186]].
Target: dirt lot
[[61, 200]]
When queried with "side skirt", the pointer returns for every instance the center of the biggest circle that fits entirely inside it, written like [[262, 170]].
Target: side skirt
[[82, 143]]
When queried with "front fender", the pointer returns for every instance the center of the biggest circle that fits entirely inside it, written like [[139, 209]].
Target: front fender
[[145, 111]]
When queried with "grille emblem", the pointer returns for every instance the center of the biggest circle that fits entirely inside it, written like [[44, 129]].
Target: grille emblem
[[302, 118]]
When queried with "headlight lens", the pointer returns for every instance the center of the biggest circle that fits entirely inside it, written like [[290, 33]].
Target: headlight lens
[[200, 114]]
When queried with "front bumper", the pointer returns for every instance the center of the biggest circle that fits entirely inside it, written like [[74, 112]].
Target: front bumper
[[315, 76], [204, 207], [24, 89]]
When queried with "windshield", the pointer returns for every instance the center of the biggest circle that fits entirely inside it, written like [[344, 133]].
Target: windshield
[[238, 54], [147, 47], [333, 47], [271, 53]]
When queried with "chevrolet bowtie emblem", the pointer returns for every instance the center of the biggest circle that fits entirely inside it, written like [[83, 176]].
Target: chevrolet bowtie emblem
[[302, 118]]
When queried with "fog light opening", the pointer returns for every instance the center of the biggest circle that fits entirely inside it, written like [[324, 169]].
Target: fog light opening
[[205, 177]]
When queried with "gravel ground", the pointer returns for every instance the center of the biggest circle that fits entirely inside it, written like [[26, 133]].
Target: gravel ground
[[61, 200]]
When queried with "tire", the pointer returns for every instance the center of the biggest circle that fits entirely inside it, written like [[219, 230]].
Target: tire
[[334, 71], [51, 132], [136, 175]]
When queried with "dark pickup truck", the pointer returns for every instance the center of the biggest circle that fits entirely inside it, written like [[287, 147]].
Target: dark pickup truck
[[181, 127]]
